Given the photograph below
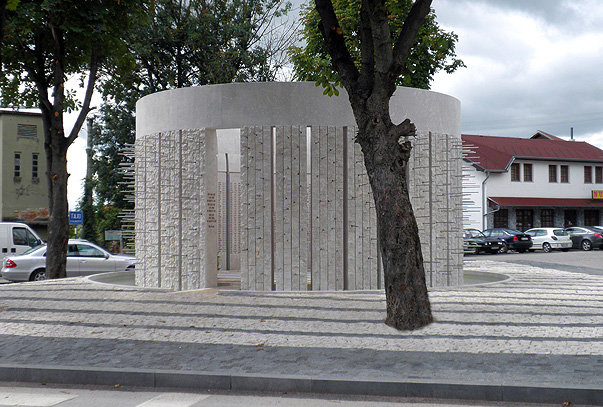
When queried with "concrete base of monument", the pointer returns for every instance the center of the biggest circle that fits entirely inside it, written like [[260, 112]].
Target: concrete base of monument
[[230, 280]]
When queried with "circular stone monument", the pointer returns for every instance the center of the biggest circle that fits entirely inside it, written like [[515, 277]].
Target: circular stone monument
[[306, 217]]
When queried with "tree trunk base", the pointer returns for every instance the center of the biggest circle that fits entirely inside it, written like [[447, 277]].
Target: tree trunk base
[[407, 313]]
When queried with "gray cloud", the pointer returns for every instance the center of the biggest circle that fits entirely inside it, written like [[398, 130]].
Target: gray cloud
[[528, 68]]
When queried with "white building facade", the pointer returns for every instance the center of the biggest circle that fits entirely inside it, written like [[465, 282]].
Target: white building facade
[[542, 181]]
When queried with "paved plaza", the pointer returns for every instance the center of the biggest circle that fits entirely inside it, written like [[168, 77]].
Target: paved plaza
[[539, 328]]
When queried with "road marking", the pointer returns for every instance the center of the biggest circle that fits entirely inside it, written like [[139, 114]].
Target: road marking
[[173, 400], [33, 399]]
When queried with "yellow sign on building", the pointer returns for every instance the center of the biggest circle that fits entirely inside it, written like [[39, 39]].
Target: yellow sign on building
[[597, 194]]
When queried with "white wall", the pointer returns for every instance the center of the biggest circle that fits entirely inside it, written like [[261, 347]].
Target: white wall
[[500, 184]]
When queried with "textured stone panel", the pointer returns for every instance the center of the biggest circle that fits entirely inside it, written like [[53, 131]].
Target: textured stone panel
[[175, 223]]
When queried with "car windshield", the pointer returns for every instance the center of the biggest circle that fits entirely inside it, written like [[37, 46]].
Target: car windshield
[[560, 232], [512, 231], [473, 233]]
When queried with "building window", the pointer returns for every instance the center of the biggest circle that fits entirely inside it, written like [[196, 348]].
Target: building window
[[34, 165], [552, 173], [524, 219], [591, 217], [570, 217], [588, 174], [564, 174], [599, 175], [27, 130], [547, 218], [501, 218], [515, 172], [17, 169], [527, 172]]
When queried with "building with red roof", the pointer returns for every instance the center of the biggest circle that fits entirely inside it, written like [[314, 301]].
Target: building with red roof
[[532, 182]]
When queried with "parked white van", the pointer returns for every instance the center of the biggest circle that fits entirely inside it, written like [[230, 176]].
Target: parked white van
[[16, 238]]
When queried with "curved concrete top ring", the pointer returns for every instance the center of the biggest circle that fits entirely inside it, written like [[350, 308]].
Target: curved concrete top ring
[[237, 105]]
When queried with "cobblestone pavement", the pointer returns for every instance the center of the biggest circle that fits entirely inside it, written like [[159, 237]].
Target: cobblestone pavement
[[540, 326]]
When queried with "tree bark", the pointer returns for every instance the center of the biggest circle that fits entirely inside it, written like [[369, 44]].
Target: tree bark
[[58, 224], [386, 148], [386, 161]]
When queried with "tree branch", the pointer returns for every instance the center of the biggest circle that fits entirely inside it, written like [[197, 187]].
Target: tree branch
[[409, 32], [38, 72], [382, 41], [367, 55], [87, 98], [333, 36]]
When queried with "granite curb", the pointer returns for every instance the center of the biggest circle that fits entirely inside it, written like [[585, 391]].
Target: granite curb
[[196, 380]]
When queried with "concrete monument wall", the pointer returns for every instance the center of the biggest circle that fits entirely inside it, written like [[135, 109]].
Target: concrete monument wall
[[307, 214]]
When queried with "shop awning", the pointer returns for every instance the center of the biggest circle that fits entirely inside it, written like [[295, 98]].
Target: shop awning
[[556, 202]]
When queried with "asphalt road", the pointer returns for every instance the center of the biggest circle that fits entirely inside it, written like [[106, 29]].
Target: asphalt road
[[576, 261]]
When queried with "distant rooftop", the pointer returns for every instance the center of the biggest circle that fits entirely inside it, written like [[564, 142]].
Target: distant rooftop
[[20, 112], [497, 153]]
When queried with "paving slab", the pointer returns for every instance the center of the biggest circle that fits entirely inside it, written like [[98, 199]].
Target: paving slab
[[537, 336]]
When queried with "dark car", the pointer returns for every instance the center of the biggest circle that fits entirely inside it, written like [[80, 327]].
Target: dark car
[[510, 239], [585, 237], [475, 242]]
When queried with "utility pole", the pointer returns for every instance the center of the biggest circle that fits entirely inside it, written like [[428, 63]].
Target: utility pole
[[87, 203]]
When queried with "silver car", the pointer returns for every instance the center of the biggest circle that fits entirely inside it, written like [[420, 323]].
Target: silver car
[[83, 259], [548, 239]]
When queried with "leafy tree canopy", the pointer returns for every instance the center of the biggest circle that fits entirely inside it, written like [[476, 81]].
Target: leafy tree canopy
[[179, 44], [41, 34], [433, 50]]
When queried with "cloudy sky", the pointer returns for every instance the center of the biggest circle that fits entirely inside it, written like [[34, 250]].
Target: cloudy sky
[[531, 65]]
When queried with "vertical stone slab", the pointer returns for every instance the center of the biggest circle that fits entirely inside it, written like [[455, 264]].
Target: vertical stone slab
[[251, 221], [323, 204], [437, 217], [295, 208], [287, 209], [259, 210], [303, 220], [366, 230], [458, 240], [331, 209], [190, 201], [267, 206], [166, 196], [140, 210], [315, 246], [373, 240], [351, 209], [339, 218], [244, 208], [210, 176], [153, 244], [279, 268], [359, 208]]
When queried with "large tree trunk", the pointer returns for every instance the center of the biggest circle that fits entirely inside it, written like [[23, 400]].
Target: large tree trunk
[[386, 153], [58, 224], [385, 146]]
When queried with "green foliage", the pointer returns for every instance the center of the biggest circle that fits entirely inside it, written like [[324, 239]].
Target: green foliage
[[433, 50], [30, 53], [12, 5], [177, 44]]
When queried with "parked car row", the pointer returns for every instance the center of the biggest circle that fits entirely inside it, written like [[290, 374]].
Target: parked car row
[[501, 240], [83, 259]]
